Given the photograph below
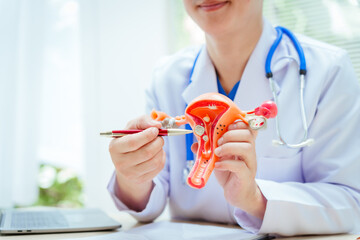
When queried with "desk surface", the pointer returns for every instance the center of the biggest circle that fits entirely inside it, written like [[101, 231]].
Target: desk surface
[[128, 222]]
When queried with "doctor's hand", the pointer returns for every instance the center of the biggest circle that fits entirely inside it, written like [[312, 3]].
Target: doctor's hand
[[236, 169], [137, 158]]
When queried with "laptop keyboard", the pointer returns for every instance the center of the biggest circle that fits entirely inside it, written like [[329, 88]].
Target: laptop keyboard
[[39, 220]]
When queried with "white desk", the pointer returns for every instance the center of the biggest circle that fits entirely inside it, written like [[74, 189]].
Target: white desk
[[128, 222]]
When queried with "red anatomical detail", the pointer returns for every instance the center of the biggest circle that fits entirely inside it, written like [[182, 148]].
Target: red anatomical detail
[[205, 116], [267, 109], [209, 116]]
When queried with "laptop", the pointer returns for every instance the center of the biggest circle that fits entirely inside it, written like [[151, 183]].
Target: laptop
[[23, 221]]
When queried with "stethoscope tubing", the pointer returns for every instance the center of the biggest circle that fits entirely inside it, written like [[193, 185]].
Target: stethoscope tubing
[[302, 72]]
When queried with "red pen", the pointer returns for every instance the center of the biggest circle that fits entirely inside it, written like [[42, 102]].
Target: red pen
[[162, 132]]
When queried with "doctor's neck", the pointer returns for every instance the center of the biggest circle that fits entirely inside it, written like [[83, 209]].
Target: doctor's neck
[[230, 52]]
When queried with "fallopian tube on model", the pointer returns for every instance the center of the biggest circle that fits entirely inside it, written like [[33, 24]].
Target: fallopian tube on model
[[209, 115]]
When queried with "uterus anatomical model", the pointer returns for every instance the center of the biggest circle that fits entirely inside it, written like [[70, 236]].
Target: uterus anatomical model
[[209, 116]]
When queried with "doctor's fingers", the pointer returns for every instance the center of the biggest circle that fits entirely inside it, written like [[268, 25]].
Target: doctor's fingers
[[237, 135], [159, 162], [238, 167], [140, 172], [133, 142], [143, 122], [241, 125], [242, 150], [130, 159]]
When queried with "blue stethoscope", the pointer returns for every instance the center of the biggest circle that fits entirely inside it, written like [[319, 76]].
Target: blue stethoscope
[[281, 142]]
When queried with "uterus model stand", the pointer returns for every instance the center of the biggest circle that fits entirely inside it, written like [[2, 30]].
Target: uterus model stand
[[209, 116]]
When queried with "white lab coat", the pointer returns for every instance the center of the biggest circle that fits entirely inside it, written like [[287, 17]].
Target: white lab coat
[[313, 190]]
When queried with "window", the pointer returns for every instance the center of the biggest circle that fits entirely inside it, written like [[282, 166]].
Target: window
[[333, 21]]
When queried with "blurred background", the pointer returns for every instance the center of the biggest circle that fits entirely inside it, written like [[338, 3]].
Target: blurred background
[[72, 68]]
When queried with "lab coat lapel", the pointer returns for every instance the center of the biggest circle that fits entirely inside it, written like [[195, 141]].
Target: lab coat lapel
[[254, 87], [203, 79]]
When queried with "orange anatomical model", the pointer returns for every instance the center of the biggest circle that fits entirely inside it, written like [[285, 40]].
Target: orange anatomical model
[[209, 115]]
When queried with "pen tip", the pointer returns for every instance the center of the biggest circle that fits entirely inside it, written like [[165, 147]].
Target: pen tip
[[105, 133], [175, 132]]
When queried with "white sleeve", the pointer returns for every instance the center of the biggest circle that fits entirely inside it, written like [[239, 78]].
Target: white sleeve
[[159, 194], [329, 200]]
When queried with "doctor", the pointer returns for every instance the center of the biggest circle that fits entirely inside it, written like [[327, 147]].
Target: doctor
[[261, 187]]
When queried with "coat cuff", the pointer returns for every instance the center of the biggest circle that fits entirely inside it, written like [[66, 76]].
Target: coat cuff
[[291, 210], [249, 222], [154, 207]]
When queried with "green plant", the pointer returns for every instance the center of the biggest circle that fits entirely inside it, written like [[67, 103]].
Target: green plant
[[59, 187]]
